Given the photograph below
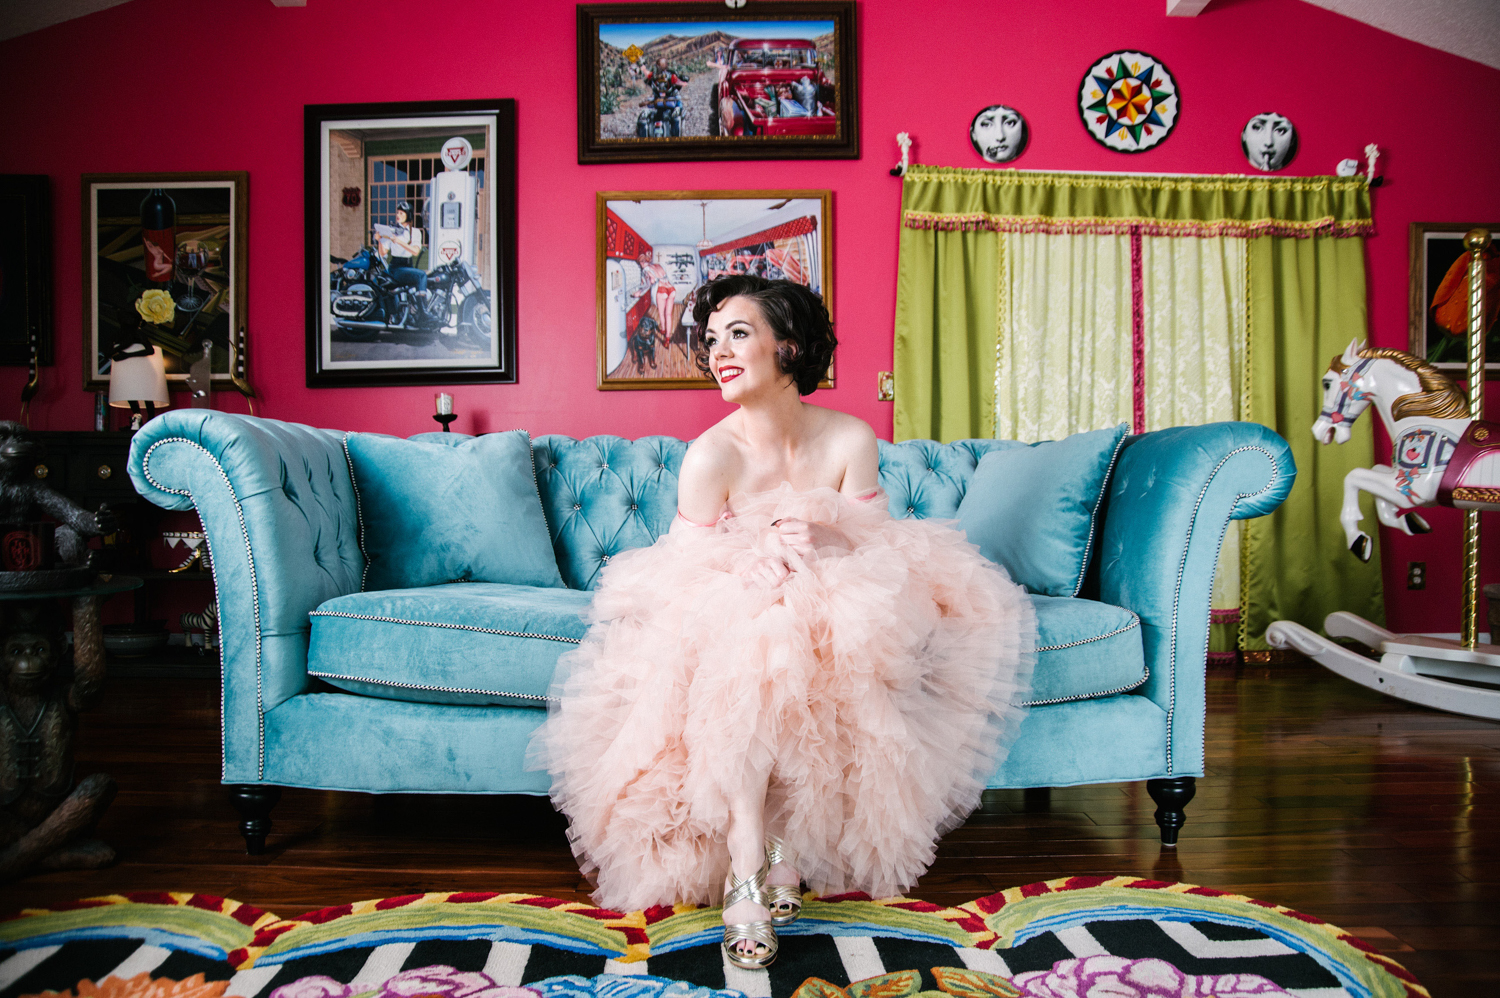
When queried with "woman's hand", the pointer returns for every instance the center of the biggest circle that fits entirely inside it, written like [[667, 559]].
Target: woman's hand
[[808, 538], [769, 572]]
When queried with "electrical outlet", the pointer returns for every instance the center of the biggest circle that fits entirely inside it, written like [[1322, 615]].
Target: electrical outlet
[[1416, 575]]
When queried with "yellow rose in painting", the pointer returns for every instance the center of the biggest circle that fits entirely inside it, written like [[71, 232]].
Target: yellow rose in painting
[[156, 307]]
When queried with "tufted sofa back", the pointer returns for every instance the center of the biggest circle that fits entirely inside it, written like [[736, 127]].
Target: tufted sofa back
[[603, 495]]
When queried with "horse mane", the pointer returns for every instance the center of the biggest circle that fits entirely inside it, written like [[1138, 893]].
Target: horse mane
[[1439, 397]]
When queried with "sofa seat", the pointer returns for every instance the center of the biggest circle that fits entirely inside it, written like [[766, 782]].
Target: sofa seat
[[1085, 649], [480, 644], [465, 643]]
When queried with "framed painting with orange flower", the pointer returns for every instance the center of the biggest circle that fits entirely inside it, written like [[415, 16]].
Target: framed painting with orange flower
[[164, 263], [1440, 297]]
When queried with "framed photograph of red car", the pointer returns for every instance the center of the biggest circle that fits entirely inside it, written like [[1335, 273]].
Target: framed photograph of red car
[[695, 81], [657, 248]]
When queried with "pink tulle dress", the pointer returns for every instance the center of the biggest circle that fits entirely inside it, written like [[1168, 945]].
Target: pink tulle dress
[[871, 692]]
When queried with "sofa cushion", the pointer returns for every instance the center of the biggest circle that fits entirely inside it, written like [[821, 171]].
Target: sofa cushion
[[1085, 649], [445, 507], [465, 643], [1031, 507]]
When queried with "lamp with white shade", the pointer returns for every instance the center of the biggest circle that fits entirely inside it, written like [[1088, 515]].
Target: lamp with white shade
[[138, 381]]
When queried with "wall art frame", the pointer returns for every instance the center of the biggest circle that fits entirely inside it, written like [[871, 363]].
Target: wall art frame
[[25, 269], [207, 209], [428, 298], [1436, 249], [655, 248], [1127, 108], [792, 94]]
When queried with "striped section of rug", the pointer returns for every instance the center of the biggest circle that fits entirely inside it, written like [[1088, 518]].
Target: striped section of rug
[[1069, 938]]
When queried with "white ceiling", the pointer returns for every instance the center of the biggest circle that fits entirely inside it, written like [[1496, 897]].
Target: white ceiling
[[1469, 28], [18, 17]]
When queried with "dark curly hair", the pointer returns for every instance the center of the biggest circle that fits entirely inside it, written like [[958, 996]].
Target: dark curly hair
[[796, 314]]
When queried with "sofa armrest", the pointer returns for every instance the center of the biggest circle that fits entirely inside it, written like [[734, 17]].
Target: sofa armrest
[[1173, 494], [279, 510]]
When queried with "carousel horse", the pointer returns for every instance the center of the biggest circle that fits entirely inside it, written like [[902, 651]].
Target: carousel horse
[[1438, 456]]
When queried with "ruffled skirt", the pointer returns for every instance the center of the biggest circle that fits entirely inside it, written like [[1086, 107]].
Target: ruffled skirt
[[871, 693]]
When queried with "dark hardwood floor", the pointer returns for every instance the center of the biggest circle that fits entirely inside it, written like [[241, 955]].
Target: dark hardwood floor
[[1378, 816]]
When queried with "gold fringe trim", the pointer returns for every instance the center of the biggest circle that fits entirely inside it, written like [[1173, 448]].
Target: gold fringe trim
[[1002, 328], [1228, 227], [1242, 628]]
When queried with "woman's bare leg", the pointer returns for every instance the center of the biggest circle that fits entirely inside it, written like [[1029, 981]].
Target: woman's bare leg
[[784, 873], [746, 839]]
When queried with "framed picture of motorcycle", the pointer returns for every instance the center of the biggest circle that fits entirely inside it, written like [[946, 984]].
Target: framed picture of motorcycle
[[164, 263], [696, 81], [656, 248], [411, 243]]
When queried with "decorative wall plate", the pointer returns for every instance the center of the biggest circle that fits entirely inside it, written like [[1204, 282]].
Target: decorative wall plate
[[1128, 101], [1269, 141], [999, 133]]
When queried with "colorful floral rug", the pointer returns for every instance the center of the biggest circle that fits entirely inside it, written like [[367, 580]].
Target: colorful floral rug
[[1081, 937]]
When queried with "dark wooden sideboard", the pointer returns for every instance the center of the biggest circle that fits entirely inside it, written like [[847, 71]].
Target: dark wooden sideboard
[[90, 468]]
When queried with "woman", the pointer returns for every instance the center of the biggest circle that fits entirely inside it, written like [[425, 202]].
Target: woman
[[790, 685], [403, 244]]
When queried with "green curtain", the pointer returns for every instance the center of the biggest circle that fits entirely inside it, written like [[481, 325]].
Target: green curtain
[[1307, 301], [946, 315], [947, 291]]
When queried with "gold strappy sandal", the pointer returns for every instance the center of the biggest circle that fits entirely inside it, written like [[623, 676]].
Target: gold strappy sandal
[[762, 934], [784, 900]]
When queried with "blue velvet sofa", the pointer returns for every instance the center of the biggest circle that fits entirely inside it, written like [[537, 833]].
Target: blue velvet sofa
[[438, 689]]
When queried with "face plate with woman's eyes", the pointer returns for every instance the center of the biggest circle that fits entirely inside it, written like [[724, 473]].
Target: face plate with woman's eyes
[[1269, 140], [998, 133], [742, 350]]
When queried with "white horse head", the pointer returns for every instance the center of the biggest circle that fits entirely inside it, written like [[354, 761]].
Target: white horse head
[[1345, 395]]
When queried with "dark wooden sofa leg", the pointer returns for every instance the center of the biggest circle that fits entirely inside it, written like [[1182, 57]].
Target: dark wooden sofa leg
[[254, 802], [1171, 798]]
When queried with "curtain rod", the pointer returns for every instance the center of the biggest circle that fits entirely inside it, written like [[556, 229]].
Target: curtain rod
[[1346, 168]]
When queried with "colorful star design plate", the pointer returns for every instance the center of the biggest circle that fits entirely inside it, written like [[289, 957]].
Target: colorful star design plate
[[1128, 101]]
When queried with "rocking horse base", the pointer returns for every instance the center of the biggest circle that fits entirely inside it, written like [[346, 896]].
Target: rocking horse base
[[1412, 667]]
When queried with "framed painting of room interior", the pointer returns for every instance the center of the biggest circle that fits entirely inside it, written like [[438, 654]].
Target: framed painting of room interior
[[1440, 297], [164, 262], [692, 81], [410, 242], [656, 248]]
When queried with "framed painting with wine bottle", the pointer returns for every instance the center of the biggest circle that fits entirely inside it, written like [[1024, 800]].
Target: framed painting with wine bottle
[[164, 263]]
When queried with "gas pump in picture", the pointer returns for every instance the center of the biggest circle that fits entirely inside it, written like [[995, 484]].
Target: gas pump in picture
[[452, 229]]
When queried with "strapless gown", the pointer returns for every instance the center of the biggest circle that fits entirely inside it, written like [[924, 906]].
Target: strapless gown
[[872, 692]]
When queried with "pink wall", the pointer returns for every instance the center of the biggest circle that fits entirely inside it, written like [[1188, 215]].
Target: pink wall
[[98, 94]]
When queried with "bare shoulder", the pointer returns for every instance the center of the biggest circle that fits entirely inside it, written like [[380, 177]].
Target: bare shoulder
[[848, 434], [851, 443], [716, 450], [708, 469]]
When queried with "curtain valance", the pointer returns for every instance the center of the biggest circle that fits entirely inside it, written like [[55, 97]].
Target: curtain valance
[[955, 199], [1034, 305]]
